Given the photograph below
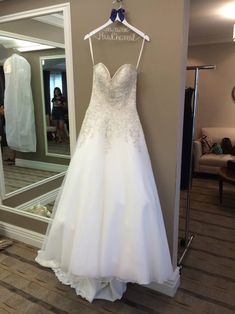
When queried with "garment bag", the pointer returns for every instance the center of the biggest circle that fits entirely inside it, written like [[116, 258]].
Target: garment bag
[[19, 107]]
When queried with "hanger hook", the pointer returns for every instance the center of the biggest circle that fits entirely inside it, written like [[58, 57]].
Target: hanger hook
[[118, 1]]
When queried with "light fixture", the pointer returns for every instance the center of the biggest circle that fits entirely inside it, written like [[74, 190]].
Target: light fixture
[[22, 45], [228, 11], [33, 48], [234, 32]]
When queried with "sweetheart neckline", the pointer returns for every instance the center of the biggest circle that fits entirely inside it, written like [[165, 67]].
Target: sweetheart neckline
[[117, 71]]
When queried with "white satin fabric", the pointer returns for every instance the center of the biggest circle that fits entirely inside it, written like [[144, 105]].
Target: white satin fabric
[[19, 107], [108, 227]]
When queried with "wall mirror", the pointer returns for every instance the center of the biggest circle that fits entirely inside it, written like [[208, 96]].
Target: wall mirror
[[38, 123], [55, 107]]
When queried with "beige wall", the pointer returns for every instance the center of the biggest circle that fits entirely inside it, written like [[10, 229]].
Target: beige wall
[[215, 104], [160, 84], [36, 29]]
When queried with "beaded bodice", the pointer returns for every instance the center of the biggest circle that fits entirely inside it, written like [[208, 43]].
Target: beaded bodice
[[118, 91], [112, 109]]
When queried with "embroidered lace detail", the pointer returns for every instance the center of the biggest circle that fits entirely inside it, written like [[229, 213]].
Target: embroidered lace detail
[[112, 110]]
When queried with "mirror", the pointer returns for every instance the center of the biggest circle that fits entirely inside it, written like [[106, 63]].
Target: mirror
[[54, 97], [37, 126]]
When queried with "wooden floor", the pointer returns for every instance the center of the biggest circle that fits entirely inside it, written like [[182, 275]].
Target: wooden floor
[[207, 280], [58, 148], [18, 177]]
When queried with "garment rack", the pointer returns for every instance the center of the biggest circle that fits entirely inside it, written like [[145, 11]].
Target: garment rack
[[187, 240]]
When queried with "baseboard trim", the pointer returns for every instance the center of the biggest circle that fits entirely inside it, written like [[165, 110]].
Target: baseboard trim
[[170, 286], [36, 239], [40, 165], [42, 200], [21, 234]]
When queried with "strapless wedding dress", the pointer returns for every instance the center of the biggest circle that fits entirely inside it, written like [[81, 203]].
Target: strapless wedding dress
[[108, 227]]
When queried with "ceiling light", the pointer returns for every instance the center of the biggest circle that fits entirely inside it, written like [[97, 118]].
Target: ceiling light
[[22, 45], [34, 48], [228, 11]]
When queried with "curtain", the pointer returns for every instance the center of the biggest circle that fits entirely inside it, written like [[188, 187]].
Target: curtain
[[64, 84], [47, 98], [2, 85]]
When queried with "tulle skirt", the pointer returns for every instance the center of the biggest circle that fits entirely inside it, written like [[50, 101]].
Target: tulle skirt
[[107, 228]]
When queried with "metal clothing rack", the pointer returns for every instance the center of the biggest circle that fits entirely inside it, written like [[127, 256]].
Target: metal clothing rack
[[187, 240]]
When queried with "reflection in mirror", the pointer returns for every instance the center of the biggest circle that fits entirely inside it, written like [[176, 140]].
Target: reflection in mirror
[[38, 207], [34, 130], [56, 122]]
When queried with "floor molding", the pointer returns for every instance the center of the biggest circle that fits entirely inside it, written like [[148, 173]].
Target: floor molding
[[42, 200], [36, 239], [21, 234], [40, 165]]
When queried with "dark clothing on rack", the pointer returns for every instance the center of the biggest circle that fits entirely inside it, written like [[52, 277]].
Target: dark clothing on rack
[[2, 118], [3, 139], [187, 139], [2, 86]]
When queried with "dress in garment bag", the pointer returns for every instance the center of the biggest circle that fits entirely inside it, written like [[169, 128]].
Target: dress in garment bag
[[19, 107], [108, 227]]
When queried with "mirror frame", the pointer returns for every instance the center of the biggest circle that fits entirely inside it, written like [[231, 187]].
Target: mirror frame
[[43, 105], [65, 8]]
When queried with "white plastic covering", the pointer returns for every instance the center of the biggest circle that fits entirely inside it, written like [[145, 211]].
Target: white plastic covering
[[19, 107]]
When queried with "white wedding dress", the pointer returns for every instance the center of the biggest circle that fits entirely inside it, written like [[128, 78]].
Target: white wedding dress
[[108, 227]]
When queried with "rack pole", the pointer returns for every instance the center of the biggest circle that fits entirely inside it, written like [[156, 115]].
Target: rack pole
[[195, 99], [186, 242]]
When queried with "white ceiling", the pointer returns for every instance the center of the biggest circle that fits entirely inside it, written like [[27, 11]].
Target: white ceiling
[[207, 25], [56, 19], [7, 41]]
